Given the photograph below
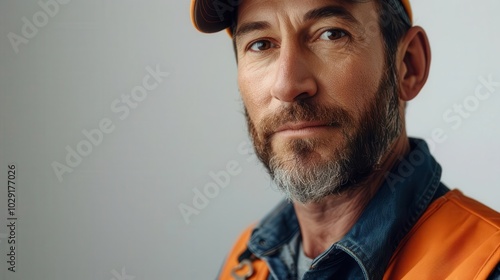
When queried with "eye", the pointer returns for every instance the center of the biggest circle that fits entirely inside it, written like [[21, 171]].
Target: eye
[[332, 34], [261, 45]]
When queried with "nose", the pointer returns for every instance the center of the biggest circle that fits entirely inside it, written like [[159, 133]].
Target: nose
[[293, 79]]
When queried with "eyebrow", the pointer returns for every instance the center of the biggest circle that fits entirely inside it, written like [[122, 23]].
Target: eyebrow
[[329, 12], [315, 14], [250, 27]]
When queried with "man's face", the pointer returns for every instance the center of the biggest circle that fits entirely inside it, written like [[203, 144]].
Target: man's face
[[320, 100]]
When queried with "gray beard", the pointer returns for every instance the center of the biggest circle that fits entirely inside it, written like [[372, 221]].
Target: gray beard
[[309, 184], [307, 181]]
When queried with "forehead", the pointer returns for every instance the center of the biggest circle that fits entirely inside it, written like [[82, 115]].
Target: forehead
[[254, 10]]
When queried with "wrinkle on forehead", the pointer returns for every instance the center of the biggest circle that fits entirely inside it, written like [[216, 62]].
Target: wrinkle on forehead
[[291, 11]]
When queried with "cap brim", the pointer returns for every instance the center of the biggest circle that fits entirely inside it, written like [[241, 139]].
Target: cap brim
[[210, 16]]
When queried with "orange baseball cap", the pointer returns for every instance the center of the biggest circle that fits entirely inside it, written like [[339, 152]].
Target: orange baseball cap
[[211, 16]]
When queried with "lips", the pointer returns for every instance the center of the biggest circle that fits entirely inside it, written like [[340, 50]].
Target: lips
[[302, 127]]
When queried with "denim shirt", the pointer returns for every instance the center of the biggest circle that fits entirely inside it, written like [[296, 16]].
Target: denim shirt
[[364, 252]]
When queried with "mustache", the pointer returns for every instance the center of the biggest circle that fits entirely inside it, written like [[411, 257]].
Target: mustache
[[304, 112]]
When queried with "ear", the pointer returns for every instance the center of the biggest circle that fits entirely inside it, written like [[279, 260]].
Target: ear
[[414, 60]]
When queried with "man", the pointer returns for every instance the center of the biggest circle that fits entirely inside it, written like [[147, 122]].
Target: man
[[324, 84]]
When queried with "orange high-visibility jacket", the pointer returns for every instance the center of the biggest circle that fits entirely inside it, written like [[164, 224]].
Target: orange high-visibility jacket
[[456, 238]]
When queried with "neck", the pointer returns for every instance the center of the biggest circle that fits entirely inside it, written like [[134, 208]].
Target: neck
[[326, 222]]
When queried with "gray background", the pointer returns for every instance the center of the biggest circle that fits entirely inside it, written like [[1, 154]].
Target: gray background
[[116, 216]]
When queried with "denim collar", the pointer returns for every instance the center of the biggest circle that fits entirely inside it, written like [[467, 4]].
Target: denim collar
[[407, 191]]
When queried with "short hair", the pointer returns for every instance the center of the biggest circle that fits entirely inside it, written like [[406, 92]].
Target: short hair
[[393, 28]]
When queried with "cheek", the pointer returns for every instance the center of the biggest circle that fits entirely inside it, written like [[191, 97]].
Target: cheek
[[352, 83], [254, 92]]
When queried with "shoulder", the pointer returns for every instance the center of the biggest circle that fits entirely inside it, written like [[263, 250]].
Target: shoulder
[[456, 235], [241, 263], [455, 211]]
